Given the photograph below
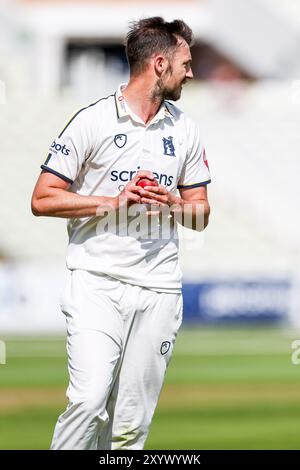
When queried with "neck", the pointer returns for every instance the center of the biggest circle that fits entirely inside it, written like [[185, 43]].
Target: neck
[[142, 99]]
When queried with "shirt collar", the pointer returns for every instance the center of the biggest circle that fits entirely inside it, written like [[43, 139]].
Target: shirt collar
[[123, 109]]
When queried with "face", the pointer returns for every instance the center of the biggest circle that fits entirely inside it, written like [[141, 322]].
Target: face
[[176, 72]]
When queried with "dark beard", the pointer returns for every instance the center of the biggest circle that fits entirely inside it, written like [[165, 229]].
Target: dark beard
[[173, 95], [163, 93]]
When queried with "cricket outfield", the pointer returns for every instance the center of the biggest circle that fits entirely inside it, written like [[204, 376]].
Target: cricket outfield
[[226, 388]]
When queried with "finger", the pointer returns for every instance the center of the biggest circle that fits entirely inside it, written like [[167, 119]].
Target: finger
[[134, 197], [129, 197], [156, 189], [149, 193], [157, 197], [134, 189], [145, 200], [155, 202], [143, 174]]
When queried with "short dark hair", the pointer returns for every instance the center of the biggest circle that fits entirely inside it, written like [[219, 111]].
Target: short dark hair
[[153, 35]]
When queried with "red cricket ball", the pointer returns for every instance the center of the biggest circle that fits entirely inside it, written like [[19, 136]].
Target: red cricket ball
[[146, 182]]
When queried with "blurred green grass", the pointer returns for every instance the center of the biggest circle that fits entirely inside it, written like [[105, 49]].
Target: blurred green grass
[[226, 388]]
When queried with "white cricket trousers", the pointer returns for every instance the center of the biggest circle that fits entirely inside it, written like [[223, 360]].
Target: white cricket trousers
[[120, 339]]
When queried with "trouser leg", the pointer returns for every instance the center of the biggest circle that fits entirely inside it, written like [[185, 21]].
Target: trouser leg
[[94, 345], [148, 350], [92, 356]]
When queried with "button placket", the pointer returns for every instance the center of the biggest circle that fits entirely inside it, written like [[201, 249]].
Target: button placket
[[146, 160]]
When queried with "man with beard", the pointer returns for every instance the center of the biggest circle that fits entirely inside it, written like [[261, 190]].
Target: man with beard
[[122, 297]]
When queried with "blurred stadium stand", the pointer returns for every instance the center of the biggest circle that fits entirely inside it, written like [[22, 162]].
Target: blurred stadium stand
[[56, 56]]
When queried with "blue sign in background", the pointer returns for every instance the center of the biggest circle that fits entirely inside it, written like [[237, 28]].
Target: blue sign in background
[[229, 301]]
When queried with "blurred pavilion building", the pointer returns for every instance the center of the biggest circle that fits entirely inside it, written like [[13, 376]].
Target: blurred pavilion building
[[56, 56], [64, 45]]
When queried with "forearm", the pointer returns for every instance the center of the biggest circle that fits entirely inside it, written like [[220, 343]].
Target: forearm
[[61, 203], [191, 214]]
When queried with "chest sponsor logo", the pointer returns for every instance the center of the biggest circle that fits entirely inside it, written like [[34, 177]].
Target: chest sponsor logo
[[126, 175], [169, 148], [120, 140]]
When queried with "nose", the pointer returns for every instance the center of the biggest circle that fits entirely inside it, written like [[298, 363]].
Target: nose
[[189, 73]]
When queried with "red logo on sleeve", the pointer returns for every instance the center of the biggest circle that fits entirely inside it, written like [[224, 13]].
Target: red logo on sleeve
[[205, 159]]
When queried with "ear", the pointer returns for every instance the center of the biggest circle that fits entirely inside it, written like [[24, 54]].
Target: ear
[[160, 64]]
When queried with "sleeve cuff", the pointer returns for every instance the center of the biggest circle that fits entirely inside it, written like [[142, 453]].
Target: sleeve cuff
[[63, 177], [195, 185]]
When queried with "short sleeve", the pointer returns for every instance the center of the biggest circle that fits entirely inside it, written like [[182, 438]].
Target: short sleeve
[[195, 171], [70, 149]]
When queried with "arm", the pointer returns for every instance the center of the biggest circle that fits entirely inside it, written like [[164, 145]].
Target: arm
[[51, 198], [195, 207]]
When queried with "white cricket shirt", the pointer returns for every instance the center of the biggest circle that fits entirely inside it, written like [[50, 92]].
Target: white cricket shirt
[[98, 152]]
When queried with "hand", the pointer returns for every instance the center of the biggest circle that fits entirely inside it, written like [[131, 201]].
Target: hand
[[159, 196], [131, 194]]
